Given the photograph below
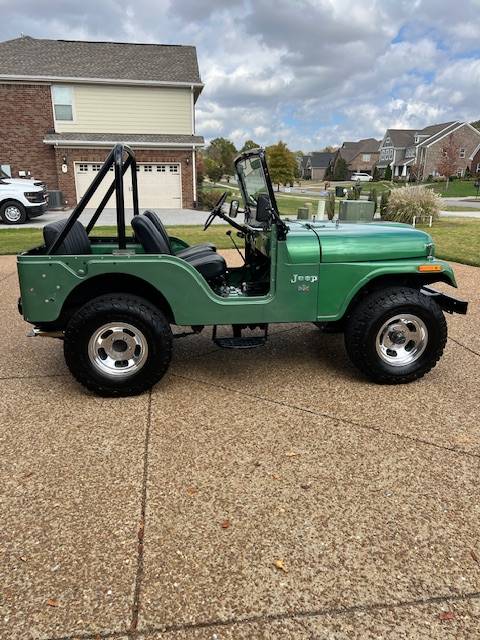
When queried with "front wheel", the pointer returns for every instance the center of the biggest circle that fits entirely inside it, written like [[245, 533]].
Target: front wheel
[[396, 335], [13, 212], [118, 345]]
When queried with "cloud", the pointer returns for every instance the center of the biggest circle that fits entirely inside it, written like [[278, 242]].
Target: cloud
[[313, 72]]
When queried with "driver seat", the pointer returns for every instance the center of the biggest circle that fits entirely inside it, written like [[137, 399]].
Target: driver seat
[[210, 264], [196, 249]]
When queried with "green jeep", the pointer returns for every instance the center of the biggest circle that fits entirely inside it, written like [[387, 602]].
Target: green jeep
[[113, 300]]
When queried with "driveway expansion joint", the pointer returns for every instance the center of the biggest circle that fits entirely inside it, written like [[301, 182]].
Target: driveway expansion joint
[[334, 418], [460, 344], [132, 633]]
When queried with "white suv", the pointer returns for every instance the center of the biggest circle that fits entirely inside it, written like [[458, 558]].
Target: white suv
[[21, 199], [361, 177]]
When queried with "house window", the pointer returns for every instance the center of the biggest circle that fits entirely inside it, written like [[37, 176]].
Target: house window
[[147, 168], [366, 157], [173, 168], [161, 168], [460, 173], [478, 168], [83, 168], [387, 140], [63, 102], [462, 153], [96, 167]]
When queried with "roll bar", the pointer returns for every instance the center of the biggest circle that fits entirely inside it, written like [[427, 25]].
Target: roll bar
[[116, 159]]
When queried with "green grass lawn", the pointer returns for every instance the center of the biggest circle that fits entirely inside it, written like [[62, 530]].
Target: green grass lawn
[[456, 188], [13, 241], [454, 207], [456, 239]]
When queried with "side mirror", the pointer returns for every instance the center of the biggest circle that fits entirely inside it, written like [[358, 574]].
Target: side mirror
[[264, 208], [234, 204]]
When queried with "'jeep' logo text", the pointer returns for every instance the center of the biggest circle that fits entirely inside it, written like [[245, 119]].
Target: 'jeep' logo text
[[299, 278]]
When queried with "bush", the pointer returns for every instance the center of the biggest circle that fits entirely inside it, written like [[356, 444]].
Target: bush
[[357, 190], [388, 173], [384, 203], [208, 198], [407, 202], [372, 196], [330, 206]]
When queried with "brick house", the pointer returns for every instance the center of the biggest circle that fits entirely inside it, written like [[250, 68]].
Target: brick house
[[422, 149], [65, 103], [360, 156], [313, 166]]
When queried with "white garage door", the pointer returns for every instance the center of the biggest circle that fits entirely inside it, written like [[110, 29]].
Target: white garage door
[[159, 185]]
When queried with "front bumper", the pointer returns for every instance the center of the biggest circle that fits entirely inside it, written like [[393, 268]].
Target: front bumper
[[37, 210], [447, 303]]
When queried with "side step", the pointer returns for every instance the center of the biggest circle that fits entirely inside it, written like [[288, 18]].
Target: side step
[[237, 341]]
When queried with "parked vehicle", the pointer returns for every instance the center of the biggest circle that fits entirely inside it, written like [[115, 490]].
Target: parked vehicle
[[113, 300], [361, 177], [21, 199]]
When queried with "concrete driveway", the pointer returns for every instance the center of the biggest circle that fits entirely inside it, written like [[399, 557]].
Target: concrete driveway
[[109, 217], [271, 493]]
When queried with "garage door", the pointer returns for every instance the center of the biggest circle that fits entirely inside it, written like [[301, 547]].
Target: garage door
[[159, 185]]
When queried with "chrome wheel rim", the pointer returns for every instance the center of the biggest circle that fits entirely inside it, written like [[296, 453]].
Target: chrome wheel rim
[[118, 349], [401, 340], [12, 213]]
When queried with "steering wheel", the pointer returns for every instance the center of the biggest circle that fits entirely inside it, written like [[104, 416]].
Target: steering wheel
[[215, 211]]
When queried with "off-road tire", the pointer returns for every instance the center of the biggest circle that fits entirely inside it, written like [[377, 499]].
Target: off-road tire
[[369, 315], [13, 203], [125, 308]]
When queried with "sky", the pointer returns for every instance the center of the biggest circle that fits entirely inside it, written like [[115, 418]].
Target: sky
[[310, 72]]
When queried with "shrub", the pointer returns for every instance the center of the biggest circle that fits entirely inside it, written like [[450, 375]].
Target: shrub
[[384, 203], [407, 202], [330, 206], [388, 173], [372, 196], [208, 198]]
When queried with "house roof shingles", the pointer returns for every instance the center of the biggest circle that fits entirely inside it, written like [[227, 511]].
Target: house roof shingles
[[150, 63], [321, 159]]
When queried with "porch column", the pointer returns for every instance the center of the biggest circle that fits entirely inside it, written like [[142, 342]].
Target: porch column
[[395, 173], [404, 171]]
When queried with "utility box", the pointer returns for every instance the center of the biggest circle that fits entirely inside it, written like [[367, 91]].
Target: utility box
[[339, 192], [321, 210], [356, 210], [303, 213], [55, 199]]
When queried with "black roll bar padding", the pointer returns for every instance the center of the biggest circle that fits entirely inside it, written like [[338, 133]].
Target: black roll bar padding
[[115, 157]]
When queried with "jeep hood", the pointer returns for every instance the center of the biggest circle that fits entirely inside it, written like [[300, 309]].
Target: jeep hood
[[352, 242]]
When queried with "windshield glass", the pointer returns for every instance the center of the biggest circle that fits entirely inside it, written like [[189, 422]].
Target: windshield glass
[[251, 173], [3, 174]]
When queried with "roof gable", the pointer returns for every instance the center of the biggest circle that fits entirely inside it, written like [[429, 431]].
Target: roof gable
[[28, 57], [321, 159]]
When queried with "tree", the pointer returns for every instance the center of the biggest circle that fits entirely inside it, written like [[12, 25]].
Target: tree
[[329, 149], [213, 169], [476, 124], [249, 144], [281, 164], [448, 164], [222, 152], [340, 170], [376, 174], [388, 173]]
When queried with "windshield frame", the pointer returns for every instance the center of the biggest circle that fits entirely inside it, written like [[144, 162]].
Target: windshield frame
[[248, 198]]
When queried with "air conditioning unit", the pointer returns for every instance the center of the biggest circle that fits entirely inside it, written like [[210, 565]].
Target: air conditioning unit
[[55, 200]]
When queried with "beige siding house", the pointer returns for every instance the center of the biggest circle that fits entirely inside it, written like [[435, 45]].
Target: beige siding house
[[92, 95]]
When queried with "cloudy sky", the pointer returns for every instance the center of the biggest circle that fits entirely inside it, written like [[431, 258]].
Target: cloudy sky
[[312, 72]]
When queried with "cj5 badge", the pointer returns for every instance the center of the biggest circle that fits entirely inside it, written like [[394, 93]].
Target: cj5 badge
[[301, 282]]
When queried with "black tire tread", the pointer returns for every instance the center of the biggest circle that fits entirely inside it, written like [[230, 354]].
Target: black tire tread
[[137, 306], [370, 308]]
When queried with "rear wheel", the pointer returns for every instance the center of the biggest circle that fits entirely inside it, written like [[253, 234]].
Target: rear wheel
[[13, 212], [118, 345], [396, 335]]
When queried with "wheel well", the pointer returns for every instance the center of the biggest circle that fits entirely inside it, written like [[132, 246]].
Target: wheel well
[[114, 283], [14, 200], [415, 281]]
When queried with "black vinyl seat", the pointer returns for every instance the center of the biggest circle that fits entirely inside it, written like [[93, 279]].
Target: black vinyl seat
[[76, 241], [195, 249], [209, 264]]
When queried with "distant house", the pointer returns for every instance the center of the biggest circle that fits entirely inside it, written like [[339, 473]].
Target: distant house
[[475, 161], [422, 149], [319, 162], [360, 156], [304, 167]]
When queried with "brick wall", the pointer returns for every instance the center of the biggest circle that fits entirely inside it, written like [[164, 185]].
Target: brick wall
[[67, 180], [464, 138], [365, 166], [26, 116]]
